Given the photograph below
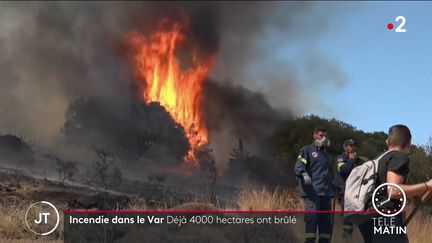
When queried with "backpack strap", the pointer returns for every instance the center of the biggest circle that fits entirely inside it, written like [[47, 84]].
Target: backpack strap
[[379, 158], [376, 164], [374, 176]]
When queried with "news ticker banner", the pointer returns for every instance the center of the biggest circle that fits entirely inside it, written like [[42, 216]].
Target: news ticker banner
[[181, 226], [42, 218]]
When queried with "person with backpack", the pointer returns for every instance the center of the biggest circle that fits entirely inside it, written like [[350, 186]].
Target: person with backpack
[[391, 167], [344, 164], [316, 187]]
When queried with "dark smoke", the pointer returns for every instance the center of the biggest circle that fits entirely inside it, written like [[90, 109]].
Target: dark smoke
[[233, 112], [56, 52]]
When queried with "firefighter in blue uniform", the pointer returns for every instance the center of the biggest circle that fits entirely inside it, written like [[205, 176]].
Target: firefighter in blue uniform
[[316, 187], [344, 164]]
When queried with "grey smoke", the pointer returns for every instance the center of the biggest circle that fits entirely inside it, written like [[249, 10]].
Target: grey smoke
[[233, 112], [53, 53]]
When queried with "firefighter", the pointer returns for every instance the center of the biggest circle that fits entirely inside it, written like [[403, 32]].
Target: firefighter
[[316, 187], [344, 164]]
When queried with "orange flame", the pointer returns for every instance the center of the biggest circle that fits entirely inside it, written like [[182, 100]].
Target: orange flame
[[175, 88]]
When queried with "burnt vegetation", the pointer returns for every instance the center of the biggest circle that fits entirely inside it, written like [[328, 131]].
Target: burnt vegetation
[[209, 168], [245, 167], [131, 129], [16, 148], [66, 169], [122, 133], [104, 170]]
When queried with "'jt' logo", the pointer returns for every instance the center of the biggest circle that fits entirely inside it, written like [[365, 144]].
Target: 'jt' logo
[[45, 215]]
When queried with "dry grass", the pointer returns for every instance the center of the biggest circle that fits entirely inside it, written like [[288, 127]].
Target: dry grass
[[419, 229], [14, 229], [12, 224], [261, 198], [137, 203]]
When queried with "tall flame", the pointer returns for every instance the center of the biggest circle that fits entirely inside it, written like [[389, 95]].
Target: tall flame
[[177, 89]]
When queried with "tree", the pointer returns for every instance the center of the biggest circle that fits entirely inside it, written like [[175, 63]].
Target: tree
[[240, 154], [130, 129], [242, 167], [66, 170], [102, 165], [208, 166], [117, 175], [428, 147], [420, 164], [238, 162]]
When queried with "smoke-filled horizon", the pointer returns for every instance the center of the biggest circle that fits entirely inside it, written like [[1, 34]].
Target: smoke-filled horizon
[[55, 53]]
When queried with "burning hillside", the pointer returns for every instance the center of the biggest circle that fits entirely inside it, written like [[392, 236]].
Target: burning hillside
[[179, 90], [142, 79]]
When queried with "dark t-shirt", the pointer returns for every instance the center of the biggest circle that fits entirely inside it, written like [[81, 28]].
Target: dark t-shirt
[[395, 161]]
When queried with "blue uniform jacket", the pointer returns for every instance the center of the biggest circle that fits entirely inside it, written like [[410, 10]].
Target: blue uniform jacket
[[343, 167], [315, 162]]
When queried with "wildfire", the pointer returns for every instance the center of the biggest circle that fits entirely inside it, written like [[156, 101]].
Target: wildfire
[[177, 89]]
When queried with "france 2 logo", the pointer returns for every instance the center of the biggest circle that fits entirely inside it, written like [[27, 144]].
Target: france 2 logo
[[400, 28]]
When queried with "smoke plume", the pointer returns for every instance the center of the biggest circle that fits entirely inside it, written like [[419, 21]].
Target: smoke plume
[[54, 53]]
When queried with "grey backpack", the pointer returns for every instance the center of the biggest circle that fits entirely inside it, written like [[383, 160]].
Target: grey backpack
[[359, 188]]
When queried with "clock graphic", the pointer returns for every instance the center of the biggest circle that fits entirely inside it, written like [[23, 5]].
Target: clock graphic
[[382, 199]]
